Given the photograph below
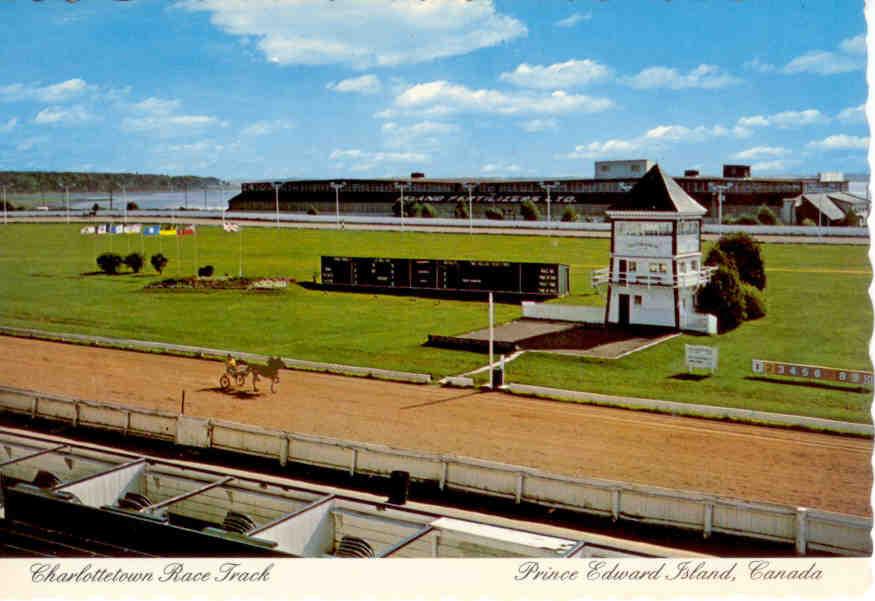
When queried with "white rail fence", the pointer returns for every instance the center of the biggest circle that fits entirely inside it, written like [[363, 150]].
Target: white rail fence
[[329, 219], [204, 352], [808, 529]]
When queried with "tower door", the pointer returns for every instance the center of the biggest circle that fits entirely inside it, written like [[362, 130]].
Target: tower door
[[622, 267], [624, 310]]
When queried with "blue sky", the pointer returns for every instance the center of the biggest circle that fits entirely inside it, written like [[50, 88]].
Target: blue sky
[[308, 88]]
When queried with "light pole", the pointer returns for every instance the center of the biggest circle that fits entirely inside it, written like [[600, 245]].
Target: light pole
[[5, 220], [205, 199], [67, 201], [125, 204], [549, 187], [719, 189], [276, 188], [402, 187], [337, 187], [470, 186]]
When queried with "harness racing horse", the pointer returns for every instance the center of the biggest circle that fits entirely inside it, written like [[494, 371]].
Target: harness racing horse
[[269, 371]]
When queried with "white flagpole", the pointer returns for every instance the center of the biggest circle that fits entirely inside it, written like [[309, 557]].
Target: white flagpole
[[491, 336]]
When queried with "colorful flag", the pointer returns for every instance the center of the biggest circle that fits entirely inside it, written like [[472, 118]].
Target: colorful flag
[[117, 228], [186, 231], [168, 232], [231, 227], [151, 230], [102, 228], [88, 229], [133, 228]]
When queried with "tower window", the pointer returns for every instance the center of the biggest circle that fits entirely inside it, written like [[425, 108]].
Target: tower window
[[638, 300]]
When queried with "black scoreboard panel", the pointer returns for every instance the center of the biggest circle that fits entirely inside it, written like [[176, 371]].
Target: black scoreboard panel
[[524, 279]]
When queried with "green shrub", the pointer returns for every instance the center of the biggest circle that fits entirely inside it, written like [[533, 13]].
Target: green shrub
[[529, 211], [746, 220], [745, 253], [494, 214], [428, 211], [718, 258], [159, 262], [754, 302], [808, 221], [461, 210], [109, 262], [851, 219], [766, 216], [722, 296], [411, 209], [205, 271], [311, 210], [135, 262], [569, 215], [132, 206]]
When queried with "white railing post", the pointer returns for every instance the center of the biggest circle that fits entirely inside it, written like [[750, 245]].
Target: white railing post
[[615, 504], [801, 530], [284, 450], [709, 519], [519, 487], [445, 466], [353, 461]]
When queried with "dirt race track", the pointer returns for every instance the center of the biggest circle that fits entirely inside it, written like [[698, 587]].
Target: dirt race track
[[748, 462]]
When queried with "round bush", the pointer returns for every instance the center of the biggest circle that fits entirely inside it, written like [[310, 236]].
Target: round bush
[[529, 211], [109, 262], [745, 252], [722, 297], [766, 216], [311, 210], [461, 210], [494, 214], [569, 215], [754, 302], [428, 211], [135, 262], [159, 262]]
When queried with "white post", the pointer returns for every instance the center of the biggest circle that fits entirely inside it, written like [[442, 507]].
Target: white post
[[124, 205], [205, 199], [337, 187], [223, 218], [67, 201], [5, 220], [719, 189], [470, 186], [402, 187], [276, 187], [240, 232], [801, 530], [491, 336], [548, 187]]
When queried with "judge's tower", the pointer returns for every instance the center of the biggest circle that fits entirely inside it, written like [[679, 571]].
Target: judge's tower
[[656, 255]]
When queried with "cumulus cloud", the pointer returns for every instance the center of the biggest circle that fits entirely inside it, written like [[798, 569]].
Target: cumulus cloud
[[500, 168], [158, 116], [841, 142], [849, 57], [56, 115], [682, 133], [424, 134], [265, 128], [785, 119], [366, 84], [759, 66], [761, 152], [536, 125], [363, 160], [363, 35], [9, 125], [606, 148], [157, 106], [54, 93], [573, 19], [703, 76], [572, 73], [443, 98], [853, 114], [777, 165]]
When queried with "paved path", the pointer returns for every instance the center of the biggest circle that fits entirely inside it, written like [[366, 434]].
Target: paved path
[[735, 460]]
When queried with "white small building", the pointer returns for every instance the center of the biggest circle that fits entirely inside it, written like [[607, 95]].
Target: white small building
[[656, 257], [622, 169]]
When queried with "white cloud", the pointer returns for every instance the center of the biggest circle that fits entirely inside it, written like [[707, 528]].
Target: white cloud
[[157, 106], [366, 84], [785, 119], [776, 165], [56, 115], [607, 148], [682, 133], [499, 168], [443, 98], [759, 66], [536, 125], [9, 125], [761, 152], [853, 114], [424, 134], [569, 74], [361, 34], [841, 142], [59, 92], [854, 45], [573, 19], [703, 76], [30, 143], [169, 125], [265, 128], [362, 160]]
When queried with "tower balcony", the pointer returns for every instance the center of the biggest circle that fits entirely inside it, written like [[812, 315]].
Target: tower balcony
[[687, 279]]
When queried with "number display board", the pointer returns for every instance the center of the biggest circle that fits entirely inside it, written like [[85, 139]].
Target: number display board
[[525, 279], [812, 372], [700, 357]]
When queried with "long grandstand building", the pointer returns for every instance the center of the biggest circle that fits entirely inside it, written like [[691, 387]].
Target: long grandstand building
[[588, 196]]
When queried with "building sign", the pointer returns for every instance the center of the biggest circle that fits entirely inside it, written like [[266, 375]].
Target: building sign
[[700, 357], [812, 372]]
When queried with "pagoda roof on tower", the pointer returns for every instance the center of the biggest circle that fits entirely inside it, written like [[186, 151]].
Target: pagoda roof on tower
[[658, 192]]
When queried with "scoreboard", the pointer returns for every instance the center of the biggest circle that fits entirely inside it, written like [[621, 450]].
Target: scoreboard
[[543, 280]]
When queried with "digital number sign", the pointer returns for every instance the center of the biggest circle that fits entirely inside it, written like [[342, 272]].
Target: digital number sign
[[812, 372]]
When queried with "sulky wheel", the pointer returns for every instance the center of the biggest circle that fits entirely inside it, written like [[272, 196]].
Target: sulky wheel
[[225, 382]]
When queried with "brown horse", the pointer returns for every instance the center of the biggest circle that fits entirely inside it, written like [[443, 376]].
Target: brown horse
[[269, 371]]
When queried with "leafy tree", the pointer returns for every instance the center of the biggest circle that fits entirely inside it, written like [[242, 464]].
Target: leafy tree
[[494, 214], [808, 221], [95, 207], [745, 253], [205, 271], [529, 211], [851, 219], [722, 296], [428, 211], [135, 261], [311, 210], [718, 258], [569, 215], [132, 206], [159, 262], [766, 216], [410, 208], [109, 262], [746, 219], [461, 210]]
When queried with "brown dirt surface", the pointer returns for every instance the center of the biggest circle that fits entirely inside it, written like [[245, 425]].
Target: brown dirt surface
[[741, 461]]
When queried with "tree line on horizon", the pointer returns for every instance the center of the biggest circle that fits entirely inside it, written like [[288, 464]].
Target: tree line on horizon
[[24, 182]]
